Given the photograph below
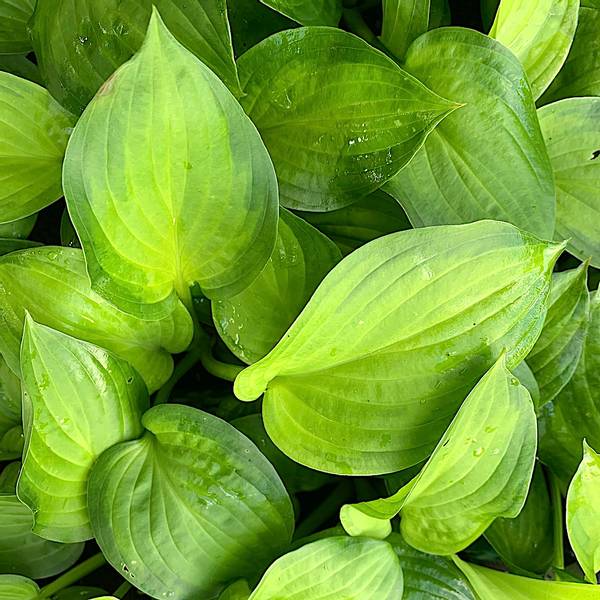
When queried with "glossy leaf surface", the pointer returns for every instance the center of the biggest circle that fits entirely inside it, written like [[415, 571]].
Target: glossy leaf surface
[[583, 513], [252, 322], [16, 587], [461, 174], [335, 567], [403, 22], [80, 43], [540, 33], [309, 12], [189, 506], [34, 130], [571, 129], [14, 15], [209, 218], [338, 117], [372, 371], [51, 283]]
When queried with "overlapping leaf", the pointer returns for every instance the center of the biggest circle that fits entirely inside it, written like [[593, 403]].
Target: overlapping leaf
[[189, 506], [16, 587], [14, 15], [309, 12], [209, 215], [21, 66], [403, 22], [11, 432], [80, 43], [51, 283], [253, 321], [372, 371], [335, 567], [540, 33], [338, 117], [462, 174], [34, 130], [555, 355], [583, 513], [78, 401], [571, 129]]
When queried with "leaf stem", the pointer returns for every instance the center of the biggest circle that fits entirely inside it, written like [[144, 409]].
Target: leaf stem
[[191, 358], [122, 590], [73, 575], [217, 368], [558, 560]]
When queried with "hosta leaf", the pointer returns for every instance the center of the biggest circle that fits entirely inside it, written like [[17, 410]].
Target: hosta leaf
[[82, 593], [583, 513], [572, 132], [580, 75], [51, 283], [540, 33], [34, 130], [429, 577], [338, 117], [526, 543], [8, 477], [252, 322], [335, 567], [239, 590], [25, 553], [555, 355], [80, 43], [78, 401], [14, 15], [309, 12], [11, 432], [575, 413], [352, 226], [21, 66], [524, 374], [480, 470], [495, 585], [403, 22], [16, 587], [461, 174], [8, 245], [189, 506], [372, 371], [20, 228], [209, 216]]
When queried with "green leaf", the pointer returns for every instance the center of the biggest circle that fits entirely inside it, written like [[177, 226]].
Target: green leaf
[[51, 283], [80, 43], [429, 577], [8, 478], [15, 587], [338, 117], [461, 173], [488, 12], [78, 400], [572, 132], [21, 66], [575, 413], [252, 322], [524, 374], [11, 432], [583, 513], [209, 216], [580, 75], [82, 593], [495, 585], [540, 34], [403, 22], [352, 226], [14, 15], [34, 130], [8, 245], [555, 355], [238, 590], [526, 543], [335, 567], [309, 12], [25, 553], [372, 371], [19, 229], [189, 506]]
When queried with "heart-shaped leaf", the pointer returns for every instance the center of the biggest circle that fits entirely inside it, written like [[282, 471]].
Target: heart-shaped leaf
[[14, 15], [461, 174], [11, 432], [252, 322], [78, 400], [189, 506], [583, 513], [51, 283], [335, 567], [338, 117], [372, 371], [352, 226], [571, 129], [79, 44], [540, 33], [555, 355], [575, 413], [16, 587], [208, 216], [526, 542], [309, 12], [34, 130]]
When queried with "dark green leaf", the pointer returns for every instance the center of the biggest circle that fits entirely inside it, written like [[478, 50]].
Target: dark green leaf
[[309, 12], [14, 15], [11, 432]]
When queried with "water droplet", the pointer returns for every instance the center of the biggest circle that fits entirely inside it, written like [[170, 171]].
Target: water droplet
[[514, 381], [478, 451], [490, 429]]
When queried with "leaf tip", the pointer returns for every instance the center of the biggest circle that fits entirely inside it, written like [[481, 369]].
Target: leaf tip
[[356, 523]]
